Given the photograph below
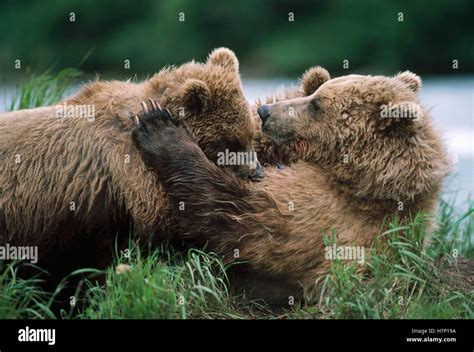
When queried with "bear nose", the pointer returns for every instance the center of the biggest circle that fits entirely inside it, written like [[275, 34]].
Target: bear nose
[[258, 172], [263, 113]]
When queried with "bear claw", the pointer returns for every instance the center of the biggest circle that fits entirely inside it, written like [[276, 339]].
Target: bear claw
[[153, 111], [155, 105], [144, 107], [137, 120], [154, 114], [156, 129]]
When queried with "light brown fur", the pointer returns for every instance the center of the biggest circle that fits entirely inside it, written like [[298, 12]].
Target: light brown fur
[[95, 165], [356, 169], [277, 225]]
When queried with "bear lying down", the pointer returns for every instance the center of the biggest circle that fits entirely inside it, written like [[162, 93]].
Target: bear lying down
[[70, 185], [357, 157]]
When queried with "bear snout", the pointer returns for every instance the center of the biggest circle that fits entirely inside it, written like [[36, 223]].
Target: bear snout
[[258, 172], [264, 113]]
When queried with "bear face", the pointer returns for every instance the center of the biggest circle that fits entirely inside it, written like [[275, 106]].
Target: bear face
[[101, 173], [269, 152], [208, 99], [393, 153], [368, 132]]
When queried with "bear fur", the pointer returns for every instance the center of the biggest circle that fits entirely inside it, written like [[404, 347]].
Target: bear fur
[[69, 185], [269, 152], [358, 164]]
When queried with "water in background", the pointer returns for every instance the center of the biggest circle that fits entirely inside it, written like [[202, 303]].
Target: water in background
[[451, 104], [451, 101]]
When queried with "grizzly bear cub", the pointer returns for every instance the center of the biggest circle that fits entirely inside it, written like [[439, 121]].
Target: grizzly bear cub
[[364, 150], [70, 182]]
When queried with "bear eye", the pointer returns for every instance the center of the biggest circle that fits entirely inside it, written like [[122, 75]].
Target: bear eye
[[315, 105]]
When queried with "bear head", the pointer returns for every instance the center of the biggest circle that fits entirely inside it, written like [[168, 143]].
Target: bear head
[[208, 99], [368, 132]]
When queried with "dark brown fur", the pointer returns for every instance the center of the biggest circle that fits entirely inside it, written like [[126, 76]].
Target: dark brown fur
[[277, 225], [95, 165]]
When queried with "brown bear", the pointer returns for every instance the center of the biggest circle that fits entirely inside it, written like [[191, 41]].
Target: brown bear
[[367, 153], [269, 152], [71, 179]]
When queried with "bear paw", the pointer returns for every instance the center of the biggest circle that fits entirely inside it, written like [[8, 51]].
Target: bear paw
[[158, 136]]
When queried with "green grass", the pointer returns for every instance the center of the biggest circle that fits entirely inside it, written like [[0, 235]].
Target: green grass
[[22, 299], [43, 90], [403, 278], [163, 286]]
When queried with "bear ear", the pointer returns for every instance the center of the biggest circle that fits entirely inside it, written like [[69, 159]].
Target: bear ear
[[313, 78], [196, 95], [225, 58], [405, 115], [410, 79]]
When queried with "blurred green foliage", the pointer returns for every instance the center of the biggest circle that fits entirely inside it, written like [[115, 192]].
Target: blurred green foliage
[[368, 33]]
